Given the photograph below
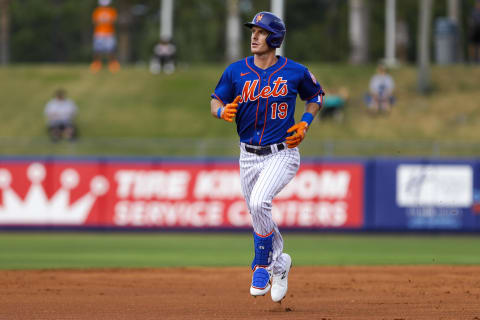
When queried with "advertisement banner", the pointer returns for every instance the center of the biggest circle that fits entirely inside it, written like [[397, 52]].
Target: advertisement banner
[[50, 193], [171, 195], [428, 195]]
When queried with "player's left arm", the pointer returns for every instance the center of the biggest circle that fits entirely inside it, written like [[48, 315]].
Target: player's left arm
[[313, 105], [312, 108], [300, 129]]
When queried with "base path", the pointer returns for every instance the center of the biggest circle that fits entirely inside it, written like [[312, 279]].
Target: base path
[[380, 292]]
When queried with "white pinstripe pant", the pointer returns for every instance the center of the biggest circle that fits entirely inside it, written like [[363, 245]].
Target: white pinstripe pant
[[262, 178]]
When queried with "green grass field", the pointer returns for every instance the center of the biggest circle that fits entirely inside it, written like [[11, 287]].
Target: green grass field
[[102, 250], [136, 113]]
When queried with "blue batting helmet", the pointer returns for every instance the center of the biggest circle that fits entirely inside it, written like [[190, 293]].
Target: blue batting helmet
[[271, 23]]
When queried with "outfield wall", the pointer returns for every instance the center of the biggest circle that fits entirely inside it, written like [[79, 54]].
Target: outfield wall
[[353, 194]]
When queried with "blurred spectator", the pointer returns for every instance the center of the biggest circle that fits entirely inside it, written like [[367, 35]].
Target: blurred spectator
[[334, 103], [163, 57], [104, 41], [60, 114], [380, 98], [402, 40], [474, 34]]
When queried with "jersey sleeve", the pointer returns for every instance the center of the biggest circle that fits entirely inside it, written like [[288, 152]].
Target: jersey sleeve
[[224, 91], [309, 88]]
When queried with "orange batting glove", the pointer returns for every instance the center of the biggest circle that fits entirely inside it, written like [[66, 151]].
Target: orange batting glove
[[300, 129], [230, 110]]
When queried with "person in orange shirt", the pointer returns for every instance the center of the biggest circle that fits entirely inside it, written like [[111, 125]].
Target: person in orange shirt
[[104, 41]]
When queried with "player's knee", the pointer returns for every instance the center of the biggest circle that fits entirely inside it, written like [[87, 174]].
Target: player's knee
[[259, 205]]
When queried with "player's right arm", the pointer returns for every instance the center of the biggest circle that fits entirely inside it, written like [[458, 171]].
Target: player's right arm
[[215, 107], [226, 113], [222, 106]]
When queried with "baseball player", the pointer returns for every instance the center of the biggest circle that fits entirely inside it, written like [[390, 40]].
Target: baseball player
[[259, 93]]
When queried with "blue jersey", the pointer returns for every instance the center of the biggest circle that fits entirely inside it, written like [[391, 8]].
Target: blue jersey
[[267, 106]]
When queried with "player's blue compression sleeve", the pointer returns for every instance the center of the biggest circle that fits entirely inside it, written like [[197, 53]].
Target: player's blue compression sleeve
[[307, 117]]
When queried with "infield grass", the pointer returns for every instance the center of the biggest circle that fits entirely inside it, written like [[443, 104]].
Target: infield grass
[[20, 250]]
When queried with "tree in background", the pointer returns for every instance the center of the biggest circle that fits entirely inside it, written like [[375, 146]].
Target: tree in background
[[4, 31], [199, 30], [423, 56], [50, 31], [358, 31], [233, 31], [317, 30]]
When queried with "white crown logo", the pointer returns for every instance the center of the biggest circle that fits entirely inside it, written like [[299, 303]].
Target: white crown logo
[[36, 208]]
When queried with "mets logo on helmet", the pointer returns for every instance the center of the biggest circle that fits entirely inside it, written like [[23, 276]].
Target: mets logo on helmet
[[259, 17]]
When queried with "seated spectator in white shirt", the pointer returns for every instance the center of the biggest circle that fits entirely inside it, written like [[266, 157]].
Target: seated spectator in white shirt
[[380, 97], [60, 114]]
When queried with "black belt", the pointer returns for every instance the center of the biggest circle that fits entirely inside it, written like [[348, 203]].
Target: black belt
[[263, 151]]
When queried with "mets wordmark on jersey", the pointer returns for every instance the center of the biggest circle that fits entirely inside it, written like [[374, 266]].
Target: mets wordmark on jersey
[[267, 106]]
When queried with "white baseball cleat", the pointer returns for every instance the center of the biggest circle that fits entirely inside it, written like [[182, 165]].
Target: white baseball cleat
[[280, 282]]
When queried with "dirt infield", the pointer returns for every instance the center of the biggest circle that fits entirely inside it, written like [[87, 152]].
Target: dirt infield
[[414, 292]]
